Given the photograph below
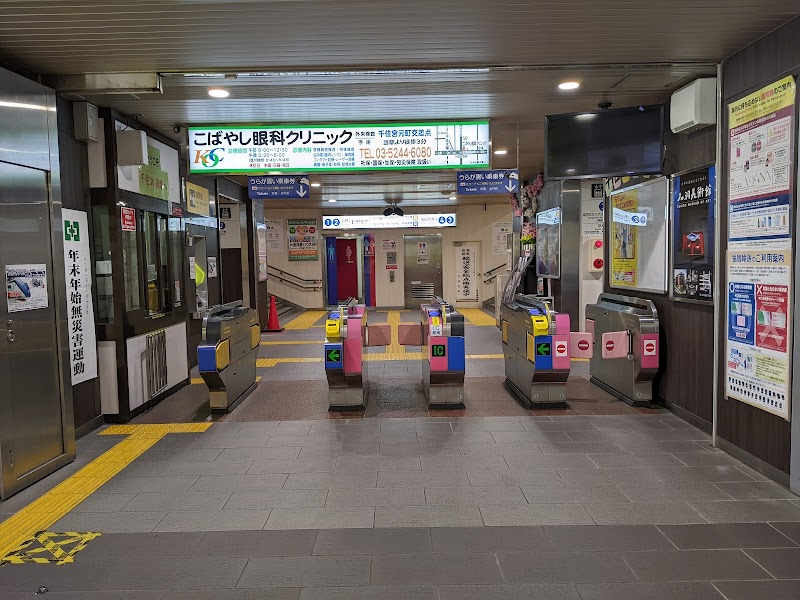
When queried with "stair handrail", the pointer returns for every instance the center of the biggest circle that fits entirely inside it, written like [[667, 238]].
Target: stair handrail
[[282, 272], [306, 285]]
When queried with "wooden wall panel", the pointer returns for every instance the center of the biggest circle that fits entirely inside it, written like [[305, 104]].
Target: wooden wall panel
[[776, 55]]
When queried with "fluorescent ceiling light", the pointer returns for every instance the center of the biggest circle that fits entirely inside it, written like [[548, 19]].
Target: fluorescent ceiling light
[[332, 200], [501, 152], [570, 170], [569, 85], [5, 104], [453, 197], [316, 184], [586, 116], [218, 93]]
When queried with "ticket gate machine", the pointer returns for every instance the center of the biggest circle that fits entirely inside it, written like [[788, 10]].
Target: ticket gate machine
[[227, 355], [345, 367], [627, 330], [444, 358], [536, 349]]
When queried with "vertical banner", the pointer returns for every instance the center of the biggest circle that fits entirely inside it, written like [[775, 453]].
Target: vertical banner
[[80, 310], [759, 262], [302, 239], [693, 235], [274, 235], [261, 239], [466, 272], [330, 269], [370, 293], [624, 237], [197, 200]]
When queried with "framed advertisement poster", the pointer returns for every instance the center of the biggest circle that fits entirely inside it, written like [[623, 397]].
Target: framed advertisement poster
[[692, 239]]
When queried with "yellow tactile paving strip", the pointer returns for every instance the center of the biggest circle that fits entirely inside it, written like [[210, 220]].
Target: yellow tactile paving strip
[[306, 320], [478, 317], [49, 508], [293, 343]]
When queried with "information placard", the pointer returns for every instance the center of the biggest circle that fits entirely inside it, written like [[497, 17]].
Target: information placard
[[254, 149], [302, 239], [548, 243]]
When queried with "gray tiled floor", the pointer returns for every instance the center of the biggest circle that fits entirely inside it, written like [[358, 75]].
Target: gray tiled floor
[[431, 508]]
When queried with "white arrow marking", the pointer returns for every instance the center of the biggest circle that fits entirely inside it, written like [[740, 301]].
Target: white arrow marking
[[511, 186], [301, 191]]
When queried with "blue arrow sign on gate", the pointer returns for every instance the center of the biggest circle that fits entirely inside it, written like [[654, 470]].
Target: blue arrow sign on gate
[[278, 186], [497, 181]]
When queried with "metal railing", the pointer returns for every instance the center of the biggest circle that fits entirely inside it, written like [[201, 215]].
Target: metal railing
[[306, 285], [492, 273]]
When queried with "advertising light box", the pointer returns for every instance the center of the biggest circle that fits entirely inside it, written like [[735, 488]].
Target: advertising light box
[[390, 222], [264, 149]]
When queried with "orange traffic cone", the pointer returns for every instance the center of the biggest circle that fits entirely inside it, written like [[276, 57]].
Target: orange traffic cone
[[273, 325]]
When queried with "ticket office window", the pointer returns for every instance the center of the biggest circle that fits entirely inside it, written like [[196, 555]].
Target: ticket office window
[[153, 284]]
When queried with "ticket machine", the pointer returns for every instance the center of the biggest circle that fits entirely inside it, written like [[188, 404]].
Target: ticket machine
[[345, 367], [444, 357], [536, 349]]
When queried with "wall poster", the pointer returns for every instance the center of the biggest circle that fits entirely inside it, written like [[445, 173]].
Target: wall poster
[[197, 200], [467, 272], [26, 287], [274, 235], [693, 199], [500, 232], [303, 239], [624, 237], [548, 243], [759, 261], [80, 310]]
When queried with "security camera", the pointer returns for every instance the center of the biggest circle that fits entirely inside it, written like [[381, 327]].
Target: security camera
[[605, 105], [176, 129]]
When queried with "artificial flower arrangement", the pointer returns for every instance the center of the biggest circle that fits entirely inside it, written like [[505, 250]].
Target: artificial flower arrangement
[[528, 235], [526, 205]]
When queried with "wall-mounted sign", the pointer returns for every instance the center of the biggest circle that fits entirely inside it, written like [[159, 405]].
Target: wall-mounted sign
[[302, 238], [261, 250], [500, 232], [760, 312], [389, 245], [467, 272], [197, 199], [499, 181], [548, 243], [597, 190], [26, 287], [390, 222], [80, 310], [274, 235], [278, 186], [128, 218], [693, 235], [253, 149]]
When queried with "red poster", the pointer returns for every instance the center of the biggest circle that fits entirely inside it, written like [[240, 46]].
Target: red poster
[[128, 219], [772, 302]]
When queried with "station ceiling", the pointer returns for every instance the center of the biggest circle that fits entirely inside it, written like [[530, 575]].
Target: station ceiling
[[323, 61]]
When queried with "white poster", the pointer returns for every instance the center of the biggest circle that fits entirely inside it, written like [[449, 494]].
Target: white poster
[[389, 245], [80, 309], [500, 232], [467, 272], [26, 287], [274, 235], [422, 253], [212, 266], [759, 329]]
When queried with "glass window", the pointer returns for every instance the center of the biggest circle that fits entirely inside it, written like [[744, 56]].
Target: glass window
[[102, 265], [130, 259], [158, 273]]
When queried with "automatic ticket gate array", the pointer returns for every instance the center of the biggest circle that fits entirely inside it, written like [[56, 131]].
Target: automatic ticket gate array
[[227, 354], [345, 366], [537, 348], [627, 330], [444, 354]]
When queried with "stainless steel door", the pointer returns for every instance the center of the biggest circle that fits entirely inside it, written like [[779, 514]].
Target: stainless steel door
[[31, 432], [422, 268]]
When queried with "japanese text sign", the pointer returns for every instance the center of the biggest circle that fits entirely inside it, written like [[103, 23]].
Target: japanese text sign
[[503, 181]]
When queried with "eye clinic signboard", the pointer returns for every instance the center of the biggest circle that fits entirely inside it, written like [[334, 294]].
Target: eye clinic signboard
[[256, 149]]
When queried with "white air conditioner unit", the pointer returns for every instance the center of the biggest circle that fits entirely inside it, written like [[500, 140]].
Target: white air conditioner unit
[[694, 106]]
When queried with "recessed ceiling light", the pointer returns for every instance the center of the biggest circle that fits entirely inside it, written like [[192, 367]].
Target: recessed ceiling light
[[316, 184], [501, 152], [332, 200], [218, 93], [569, 85]]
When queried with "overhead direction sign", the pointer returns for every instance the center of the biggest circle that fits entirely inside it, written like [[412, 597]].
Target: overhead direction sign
[[498, 181], [258, 149], [278, 186], [390, 222]]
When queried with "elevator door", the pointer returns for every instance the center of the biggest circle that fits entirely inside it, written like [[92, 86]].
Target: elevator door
[[422, 268], [347, 268], [30, 400]]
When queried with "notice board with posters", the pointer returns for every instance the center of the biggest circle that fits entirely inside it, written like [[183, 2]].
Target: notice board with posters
[[638, 236], [759, 274], [302, 237], [692, 241]]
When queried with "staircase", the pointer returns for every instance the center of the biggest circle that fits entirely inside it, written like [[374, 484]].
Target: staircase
[[283, 306]]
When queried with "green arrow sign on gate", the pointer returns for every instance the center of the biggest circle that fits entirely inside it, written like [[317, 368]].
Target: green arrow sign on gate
[[334, 355], [543, 349]]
